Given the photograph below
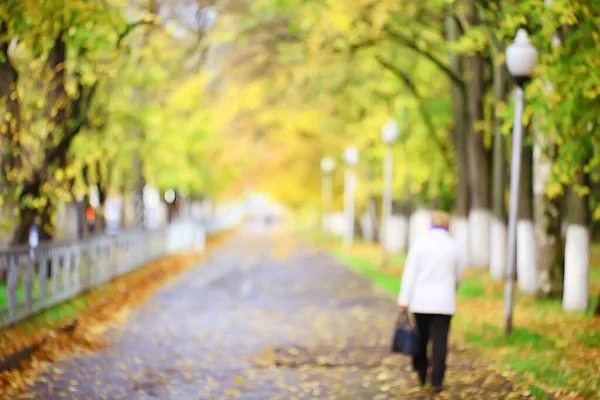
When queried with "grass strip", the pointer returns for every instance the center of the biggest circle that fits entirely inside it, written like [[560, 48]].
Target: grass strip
[[549, 351]]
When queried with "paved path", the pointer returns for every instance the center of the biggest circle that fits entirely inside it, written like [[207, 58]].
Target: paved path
[[267, 318]]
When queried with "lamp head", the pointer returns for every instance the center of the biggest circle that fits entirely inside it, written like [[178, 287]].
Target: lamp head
[[390, 131], [327, 165], [351, 156], [521, 58], [170, 196]]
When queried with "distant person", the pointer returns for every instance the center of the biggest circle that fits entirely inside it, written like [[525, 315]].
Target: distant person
[[90, 214], [430, 280]]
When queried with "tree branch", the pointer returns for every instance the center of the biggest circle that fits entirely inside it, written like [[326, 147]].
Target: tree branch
[[443, 148], [397, 36], [75, 125], [9, 128], [129, 28], [73, 128], [354, 47]]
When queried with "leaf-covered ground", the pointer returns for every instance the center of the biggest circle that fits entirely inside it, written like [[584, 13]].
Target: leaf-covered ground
[[267, 318], [78, 326], [550, 351]]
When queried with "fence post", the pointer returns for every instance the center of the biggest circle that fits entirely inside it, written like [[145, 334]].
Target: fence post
[[200, 242], [63, 270], [12, 280], [43, 275], [77, 267], [29, 280]]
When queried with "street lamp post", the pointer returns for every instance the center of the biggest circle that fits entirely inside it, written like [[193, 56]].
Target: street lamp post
[[351, 159], [389, 134], [327, 167], [521, 59]]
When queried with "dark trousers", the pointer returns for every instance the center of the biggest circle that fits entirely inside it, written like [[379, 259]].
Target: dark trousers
[[432, 327]]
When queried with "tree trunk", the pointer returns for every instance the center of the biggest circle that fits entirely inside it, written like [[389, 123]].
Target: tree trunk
[[577, 246], [56, 106], [397, 241], [479, 214], [100, 222], [372, 213], [526, 245], [138, 162], [103, 185], [124, 206], [548, 222], [498, 227], [556, 270], [9, 127], [56, 115], [138, 194], [172, 210], [459, 138], [46, 222], [27, 217]]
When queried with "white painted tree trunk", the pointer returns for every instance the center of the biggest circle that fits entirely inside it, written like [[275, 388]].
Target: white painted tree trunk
[[338, 223], [546, 252], [128, 211], [497, 249], [396, 235], [388, 182], [327, 222], [162, 214], [372, 214], [67, 219], [527, 271], [418, 224], [349, 206], [460, 229], [479, 238], [577, 262], [366, 225]]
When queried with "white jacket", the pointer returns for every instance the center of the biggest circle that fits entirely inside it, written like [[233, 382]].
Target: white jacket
[[431, 275]]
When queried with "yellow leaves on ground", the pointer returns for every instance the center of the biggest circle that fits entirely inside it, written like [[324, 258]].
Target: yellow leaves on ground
[[548, 345], [104, 307], [101, 311]]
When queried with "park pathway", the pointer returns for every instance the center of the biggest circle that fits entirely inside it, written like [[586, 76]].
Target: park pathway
[[267, 317]]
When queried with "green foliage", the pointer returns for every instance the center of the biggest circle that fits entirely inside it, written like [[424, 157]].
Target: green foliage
[[328, 63], [280, 85], [352, 64], [94, 90], [491, 336], [470, 289], [389, 283]]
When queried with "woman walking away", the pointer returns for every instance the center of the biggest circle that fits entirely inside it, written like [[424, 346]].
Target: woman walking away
[[431, 276]]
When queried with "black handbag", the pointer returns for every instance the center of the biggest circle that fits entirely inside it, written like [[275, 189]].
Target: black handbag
[[407, 339]]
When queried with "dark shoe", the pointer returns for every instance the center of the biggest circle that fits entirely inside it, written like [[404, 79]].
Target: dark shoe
[[437, 389]]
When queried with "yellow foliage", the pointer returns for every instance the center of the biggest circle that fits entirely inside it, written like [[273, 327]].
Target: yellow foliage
[[596, 214], [554, 189]]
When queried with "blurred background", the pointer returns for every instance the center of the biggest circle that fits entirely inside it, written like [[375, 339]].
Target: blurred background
[[121, 115], [354, 118]]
